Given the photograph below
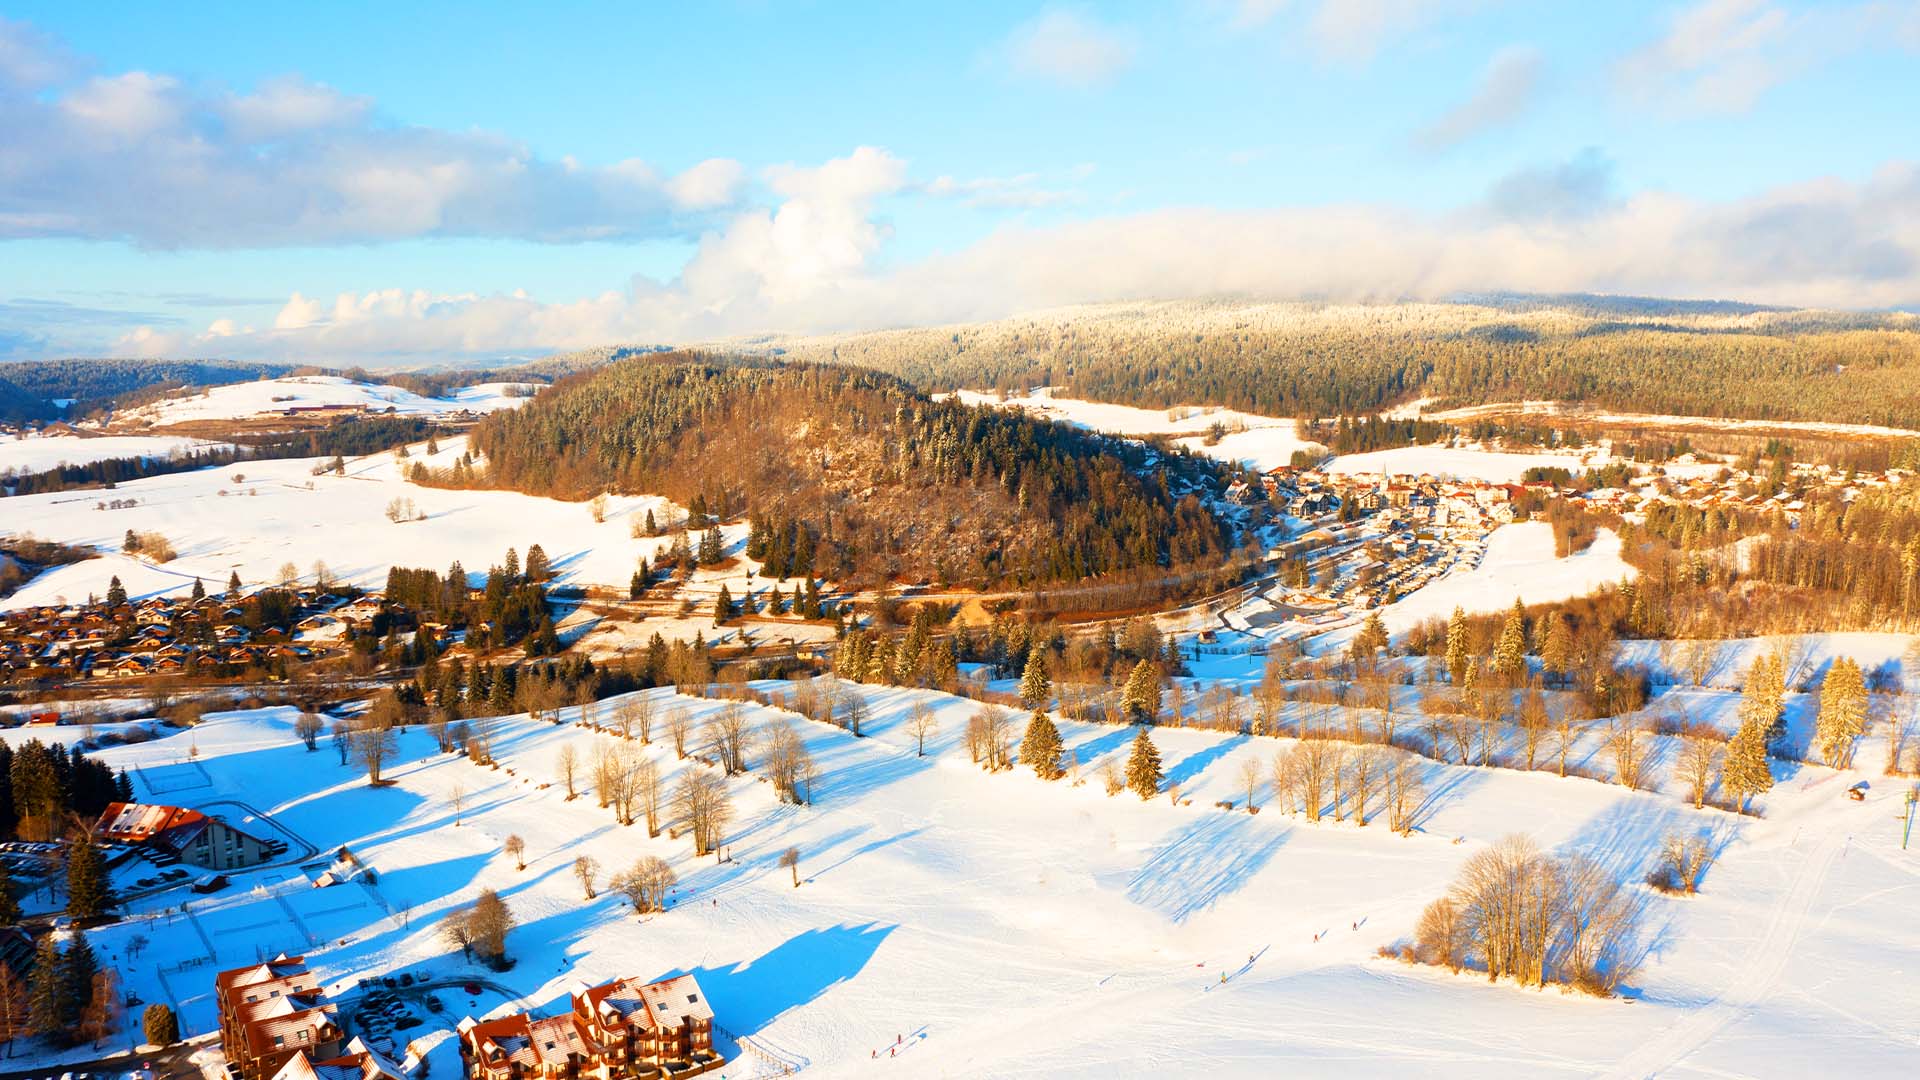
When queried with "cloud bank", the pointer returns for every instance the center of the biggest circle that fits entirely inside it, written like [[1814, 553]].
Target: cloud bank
[[147, 159], [816, 263]]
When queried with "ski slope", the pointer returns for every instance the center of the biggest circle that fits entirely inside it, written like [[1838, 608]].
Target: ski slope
[[1459, 463], [1519, 564]]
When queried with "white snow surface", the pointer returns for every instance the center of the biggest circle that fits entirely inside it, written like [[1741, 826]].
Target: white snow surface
[[1460, 463], [1266, 442], [279, 512], [1519, 564], [951, 922], [37, 453], [241, 400]]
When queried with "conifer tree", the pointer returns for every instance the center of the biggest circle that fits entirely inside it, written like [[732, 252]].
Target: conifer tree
[[512, 567], [1041, 748], [233, 585], [637, 586], [116, 592], [1457, 658], [1746, 772], [46, 992], [1371, 638], [538, 569], [722, 606], [1143, 767], [652, 529], [1036, 686], [9, 906], [1843, 712], [710, 549], [1141, 698], [77, 969], [1764, 700], [1510, 654], [1556, 648], [87, 896], [199, 590]]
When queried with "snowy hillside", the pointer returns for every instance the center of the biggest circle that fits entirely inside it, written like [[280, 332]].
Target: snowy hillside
[[994, 925], [267, 397], [1460, 463], [37, 453], [254, 517], [1261, 442]]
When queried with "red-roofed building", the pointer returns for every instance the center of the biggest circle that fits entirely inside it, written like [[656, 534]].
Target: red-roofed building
[[615, 1030], [193, 837], [271, 1012]]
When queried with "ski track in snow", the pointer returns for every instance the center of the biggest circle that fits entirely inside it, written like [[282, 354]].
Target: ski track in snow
[[1751, 984]]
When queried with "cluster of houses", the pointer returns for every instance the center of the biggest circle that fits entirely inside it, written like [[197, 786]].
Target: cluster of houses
[[168, 636], [614, 1031], [1424, 499], [276, 1024], [1690, 482]]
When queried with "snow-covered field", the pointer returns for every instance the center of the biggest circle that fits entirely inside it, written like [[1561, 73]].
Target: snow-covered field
[[1717, 423], [37, 453], [266, 397], [259, 515], [1519, 565], [1261, 442], [1459, 463], [996, 925]]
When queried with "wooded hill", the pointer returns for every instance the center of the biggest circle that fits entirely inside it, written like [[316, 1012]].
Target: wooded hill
[[93, 384], [887, 482], [1298, 359]]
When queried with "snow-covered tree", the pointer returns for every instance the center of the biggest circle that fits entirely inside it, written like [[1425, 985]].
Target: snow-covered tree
[[1143, 766], [1036, 685], [1041, 747], [1510, 654], [1458, 651], [1843, 712], [1141, 698]]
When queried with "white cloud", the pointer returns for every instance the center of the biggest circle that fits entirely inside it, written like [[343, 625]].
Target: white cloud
[[145, 158], [1506, 89], [1724, 55], [1022, 192], [291, 105], [1070, 48], [1354, 30], [712, 184], [816, 263]]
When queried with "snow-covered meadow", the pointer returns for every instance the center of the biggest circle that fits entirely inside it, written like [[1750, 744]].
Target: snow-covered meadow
[[1259, 442], [32, 453], [266, 397], [254, 517]]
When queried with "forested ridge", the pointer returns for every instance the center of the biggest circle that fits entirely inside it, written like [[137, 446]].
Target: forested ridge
[[885, 481], [1319, 360], [28, 389]]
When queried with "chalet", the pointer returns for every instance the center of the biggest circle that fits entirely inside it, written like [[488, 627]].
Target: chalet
[[272, 1012], [192, 837], [358, 1063], [613, 1031]]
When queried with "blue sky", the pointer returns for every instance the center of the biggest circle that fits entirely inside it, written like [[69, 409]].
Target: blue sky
[[420, 182]]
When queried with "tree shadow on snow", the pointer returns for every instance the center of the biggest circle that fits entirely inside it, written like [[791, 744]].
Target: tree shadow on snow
[[1204, 863], [1193, 764], [752, 994]]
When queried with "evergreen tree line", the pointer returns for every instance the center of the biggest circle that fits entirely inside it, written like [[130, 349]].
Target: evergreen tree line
[[43, 788]]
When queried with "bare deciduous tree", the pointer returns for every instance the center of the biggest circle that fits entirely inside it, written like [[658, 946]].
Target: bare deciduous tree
[[701, 802], [680, 727], [921, 724], [646, 884], [457, 798], [731, 738], [515, 849], [1250, 773], [1699, 763], [567, 764], [585, 868], [790, 859]]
